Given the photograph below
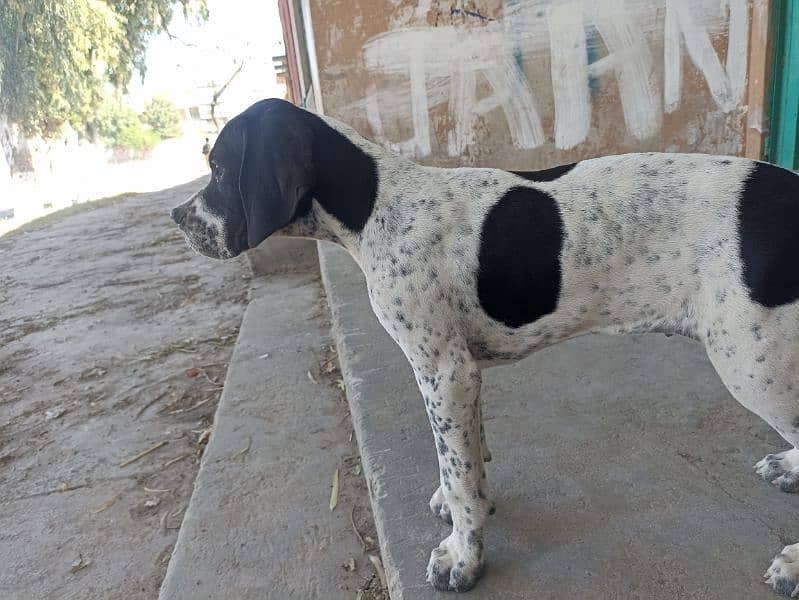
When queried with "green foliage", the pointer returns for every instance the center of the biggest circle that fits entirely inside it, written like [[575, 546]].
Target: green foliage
[[59, 57], [121, 127], [162, 117], [137, 137], [112, 117]]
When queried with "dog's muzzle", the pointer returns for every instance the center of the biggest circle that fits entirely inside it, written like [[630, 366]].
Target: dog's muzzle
[[203, 234]]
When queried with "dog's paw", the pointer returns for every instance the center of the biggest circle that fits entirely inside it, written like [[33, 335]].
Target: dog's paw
[[783, 574], [781, 469], [454, 570], [439, 506]]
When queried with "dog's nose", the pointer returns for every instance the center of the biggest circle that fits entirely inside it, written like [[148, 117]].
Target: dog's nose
[[178, 213]]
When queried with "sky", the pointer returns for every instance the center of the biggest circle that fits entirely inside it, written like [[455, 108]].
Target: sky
[[236, 30]]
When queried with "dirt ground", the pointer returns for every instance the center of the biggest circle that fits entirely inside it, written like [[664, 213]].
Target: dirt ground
[[114, 341], [114, 344]]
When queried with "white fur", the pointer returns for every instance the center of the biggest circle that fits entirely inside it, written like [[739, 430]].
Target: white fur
[[651, 245], [783, 574]]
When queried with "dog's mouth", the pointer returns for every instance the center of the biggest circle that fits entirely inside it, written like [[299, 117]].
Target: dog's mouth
[[203, 241]]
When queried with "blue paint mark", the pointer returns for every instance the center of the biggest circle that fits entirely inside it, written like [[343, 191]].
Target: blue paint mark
[[591, 47], [515, 34], [468, 13]]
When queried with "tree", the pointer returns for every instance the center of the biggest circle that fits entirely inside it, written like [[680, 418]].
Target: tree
[[58, 57], [162, 117], [120, 127], [220, 90]]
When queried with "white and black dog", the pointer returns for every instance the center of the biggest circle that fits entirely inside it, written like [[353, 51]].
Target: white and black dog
[[472, 267]]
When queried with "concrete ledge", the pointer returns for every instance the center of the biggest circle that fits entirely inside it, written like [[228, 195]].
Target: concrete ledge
[[277, 255], [258, 525], [622, 467]]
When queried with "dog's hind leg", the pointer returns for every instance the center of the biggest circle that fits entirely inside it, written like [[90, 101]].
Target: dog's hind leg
[[756, 353], [783, 574]]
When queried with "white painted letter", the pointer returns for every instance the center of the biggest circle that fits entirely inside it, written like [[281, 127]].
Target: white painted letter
[[569, 64], [632, 62], [727, 88]]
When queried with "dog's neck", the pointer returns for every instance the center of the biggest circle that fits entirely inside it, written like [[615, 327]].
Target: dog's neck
[[348, 187]]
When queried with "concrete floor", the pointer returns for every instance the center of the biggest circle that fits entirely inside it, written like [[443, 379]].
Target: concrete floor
[[622, 467], [259, 525]]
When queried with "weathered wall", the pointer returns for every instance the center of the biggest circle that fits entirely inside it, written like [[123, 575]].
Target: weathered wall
[[530, 83]]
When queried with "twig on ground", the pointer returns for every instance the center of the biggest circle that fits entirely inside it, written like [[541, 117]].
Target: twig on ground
[[62, 380], [106, 505], [334, 491], [378, 564], [190, 408], [213, 382], [217, 364], [150, 403], [47, 443], [144, 453], [162, 524], [355, 528], [246, 448], [173, 515], [64, 487], [172, 461]]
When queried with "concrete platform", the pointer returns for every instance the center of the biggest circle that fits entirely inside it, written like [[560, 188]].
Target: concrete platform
[[259, 524], [622, 467]]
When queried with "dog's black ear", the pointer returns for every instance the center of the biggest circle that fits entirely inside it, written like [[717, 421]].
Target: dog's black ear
[[277, 173]]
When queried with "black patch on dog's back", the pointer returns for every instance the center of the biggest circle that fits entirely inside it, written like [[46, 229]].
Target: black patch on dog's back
[[768, 230], [546, 174], [519, 273]]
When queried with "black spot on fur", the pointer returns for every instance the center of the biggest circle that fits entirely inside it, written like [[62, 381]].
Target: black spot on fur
[[546, 174], [768, 229], [519, 274]]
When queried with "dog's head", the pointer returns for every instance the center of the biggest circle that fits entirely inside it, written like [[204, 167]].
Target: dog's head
[[262, 178]]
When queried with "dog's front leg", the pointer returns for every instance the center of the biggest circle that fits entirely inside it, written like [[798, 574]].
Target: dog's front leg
[[450, 388], [438, 503]]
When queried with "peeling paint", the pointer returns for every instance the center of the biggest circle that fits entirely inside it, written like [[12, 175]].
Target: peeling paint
[[443, 79]]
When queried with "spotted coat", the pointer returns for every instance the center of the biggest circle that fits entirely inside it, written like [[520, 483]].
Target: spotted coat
[[468, 268]]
